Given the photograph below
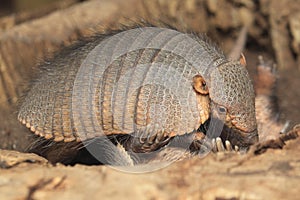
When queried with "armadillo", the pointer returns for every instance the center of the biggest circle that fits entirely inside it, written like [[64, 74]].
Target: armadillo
[[140, 88]]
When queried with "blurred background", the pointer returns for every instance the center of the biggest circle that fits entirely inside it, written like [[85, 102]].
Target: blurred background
[[15, 6]]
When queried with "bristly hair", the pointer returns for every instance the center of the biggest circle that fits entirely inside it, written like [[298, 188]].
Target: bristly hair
[[82, 40], [45, 147], [210, 45]]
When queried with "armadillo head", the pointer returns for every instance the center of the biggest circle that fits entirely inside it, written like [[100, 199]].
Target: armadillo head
[[232, 96]]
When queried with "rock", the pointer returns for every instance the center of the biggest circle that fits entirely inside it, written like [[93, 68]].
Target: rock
[[10, 159], [274, 174]]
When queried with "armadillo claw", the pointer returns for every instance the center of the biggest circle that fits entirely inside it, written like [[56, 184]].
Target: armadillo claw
[[228, 145], [159, 136], [219, 144], [214, 146], [236, 148]]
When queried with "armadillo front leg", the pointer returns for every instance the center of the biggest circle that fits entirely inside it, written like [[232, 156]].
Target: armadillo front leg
[[145, 141]]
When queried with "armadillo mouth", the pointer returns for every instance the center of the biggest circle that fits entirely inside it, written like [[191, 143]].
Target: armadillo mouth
[[239, 138], [236, 137]]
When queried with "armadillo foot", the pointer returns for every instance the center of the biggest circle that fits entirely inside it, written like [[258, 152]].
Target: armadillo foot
[[265, 78], [147, 144], [220, 146], [199, 144], [215, 145]]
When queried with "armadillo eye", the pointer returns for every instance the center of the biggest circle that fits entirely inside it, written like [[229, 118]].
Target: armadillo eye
[[222, 109]]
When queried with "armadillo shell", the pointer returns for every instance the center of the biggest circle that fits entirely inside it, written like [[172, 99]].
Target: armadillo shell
[[135, 82]]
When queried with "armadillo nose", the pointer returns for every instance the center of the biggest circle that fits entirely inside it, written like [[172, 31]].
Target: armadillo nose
[[252, 137]]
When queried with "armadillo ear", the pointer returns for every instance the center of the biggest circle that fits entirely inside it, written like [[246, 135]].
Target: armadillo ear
[[243, 60], [200, 85]]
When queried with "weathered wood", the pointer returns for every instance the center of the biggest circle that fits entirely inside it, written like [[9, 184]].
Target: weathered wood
[[273, 175]]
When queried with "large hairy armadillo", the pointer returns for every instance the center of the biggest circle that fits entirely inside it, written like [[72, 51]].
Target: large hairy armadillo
[[140, 88]]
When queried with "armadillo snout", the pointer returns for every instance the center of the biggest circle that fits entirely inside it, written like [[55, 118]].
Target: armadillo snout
[[239, 138]]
